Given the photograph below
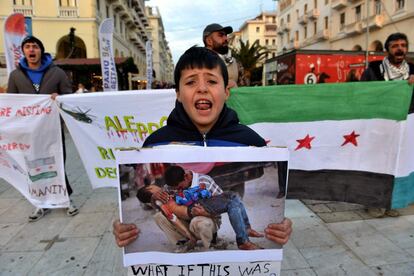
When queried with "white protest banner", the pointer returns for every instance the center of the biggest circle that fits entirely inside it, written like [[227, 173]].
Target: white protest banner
[[14, 32], [262, 203], [148, 51], [101, 122], [109, 75], [31, 154]]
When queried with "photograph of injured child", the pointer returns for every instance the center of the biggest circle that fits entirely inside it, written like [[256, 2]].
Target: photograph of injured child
[[205, 206]]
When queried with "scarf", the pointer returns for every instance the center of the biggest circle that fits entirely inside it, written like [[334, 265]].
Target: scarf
[[392, 72]]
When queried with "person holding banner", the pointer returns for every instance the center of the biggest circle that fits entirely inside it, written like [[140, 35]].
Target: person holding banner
[[36, 74], [393, 67], [201, 117]]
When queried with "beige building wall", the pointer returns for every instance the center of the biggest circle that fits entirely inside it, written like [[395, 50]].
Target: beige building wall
[[341, 24], [52, 20], [261, 28], [161, 56]]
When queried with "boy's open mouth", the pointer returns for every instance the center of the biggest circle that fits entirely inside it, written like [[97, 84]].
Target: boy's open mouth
[[203, 104], [32, 55]]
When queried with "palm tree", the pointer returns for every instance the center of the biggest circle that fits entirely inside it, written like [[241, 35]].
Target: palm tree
[[249, 57]]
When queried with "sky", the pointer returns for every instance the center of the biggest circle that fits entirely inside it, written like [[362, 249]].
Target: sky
[[185, 20]]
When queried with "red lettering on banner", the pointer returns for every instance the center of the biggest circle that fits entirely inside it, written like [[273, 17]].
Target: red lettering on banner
[[5, 111], [15, 146]]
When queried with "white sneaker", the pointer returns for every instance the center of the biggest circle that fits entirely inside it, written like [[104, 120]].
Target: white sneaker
[[72, 210], [38, 213]]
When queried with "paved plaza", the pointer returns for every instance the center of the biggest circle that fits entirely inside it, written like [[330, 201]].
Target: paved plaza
[[329, 238]]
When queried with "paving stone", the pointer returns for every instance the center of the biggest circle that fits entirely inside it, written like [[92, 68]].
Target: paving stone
[[310, 232], [19, 212], [368, 244], [343, 206], [29, 237], [7, 203], [8, 231], [70, 257], [11, 193], [107, 260], [399, 230], [401, 269], [334, 260], [339, 216], [295, 208], [319, 208], [312, 201], [297, 272], [102, 201], [292, 258], [88, 225], [18, 263], [4, 186]]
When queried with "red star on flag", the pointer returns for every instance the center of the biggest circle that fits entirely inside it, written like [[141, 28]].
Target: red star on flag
[[305, 142], [351, 138]]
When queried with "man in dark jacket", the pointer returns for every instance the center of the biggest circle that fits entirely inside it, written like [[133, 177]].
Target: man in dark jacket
[[393, 67], [36, 74]]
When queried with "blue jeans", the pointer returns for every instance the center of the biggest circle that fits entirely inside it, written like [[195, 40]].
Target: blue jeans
[[231, 204]]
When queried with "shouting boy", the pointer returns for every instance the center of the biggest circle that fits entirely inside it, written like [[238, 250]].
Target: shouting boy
[[201, 117]]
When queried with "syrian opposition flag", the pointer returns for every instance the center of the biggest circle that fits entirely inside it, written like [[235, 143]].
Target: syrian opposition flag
[[347, 141]]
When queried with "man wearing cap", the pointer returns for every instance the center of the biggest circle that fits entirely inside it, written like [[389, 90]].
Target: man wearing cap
[[215, 38], [36, 74]]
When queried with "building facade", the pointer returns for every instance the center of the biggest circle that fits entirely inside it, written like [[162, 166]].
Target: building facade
[[69, 28], [341, 24], [161, 54], [261, 28]]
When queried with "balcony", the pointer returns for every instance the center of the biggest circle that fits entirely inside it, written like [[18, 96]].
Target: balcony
[[68, 12], [338, 4], [303, 20], [376, 21], [353, 28], [323, 35], [286, 27], [270, 29], [25, 10], [313, 14]]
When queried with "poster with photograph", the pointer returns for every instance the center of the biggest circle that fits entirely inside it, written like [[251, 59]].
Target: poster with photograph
[[201, 205]]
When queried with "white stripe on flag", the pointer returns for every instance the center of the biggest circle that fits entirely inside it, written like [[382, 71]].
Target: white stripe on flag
[[376, 149]]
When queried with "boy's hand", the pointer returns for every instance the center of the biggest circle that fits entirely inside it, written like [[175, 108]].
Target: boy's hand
[[279, 232], [164, 197], [124, 233], [199, 210]]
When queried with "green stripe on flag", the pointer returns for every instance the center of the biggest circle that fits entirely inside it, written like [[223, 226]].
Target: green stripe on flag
[[332, 101]]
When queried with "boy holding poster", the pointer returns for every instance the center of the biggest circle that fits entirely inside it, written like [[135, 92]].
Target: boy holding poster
[[200, 117]]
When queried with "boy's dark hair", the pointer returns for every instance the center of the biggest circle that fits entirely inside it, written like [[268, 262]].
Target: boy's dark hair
[[394, 37], [199, 57], [144, 195], [174, 175]]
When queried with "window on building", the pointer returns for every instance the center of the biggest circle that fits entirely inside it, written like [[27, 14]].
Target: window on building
[[358, 15], [267, 41], [315, 27], [273, 19], [377, 7], [297, 14], [305, 9], [288, 18], [22, 2], [342, 21], [107, 11], [273, 42], [326, 22], [67, 3], [315, 4], [98, 5], [305, 32], [297, 36], [282, 22], [400, 4], [257, 29]]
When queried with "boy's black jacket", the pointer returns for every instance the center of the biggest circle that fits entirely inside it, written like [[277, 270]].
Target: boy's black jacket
[[226, 132]]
